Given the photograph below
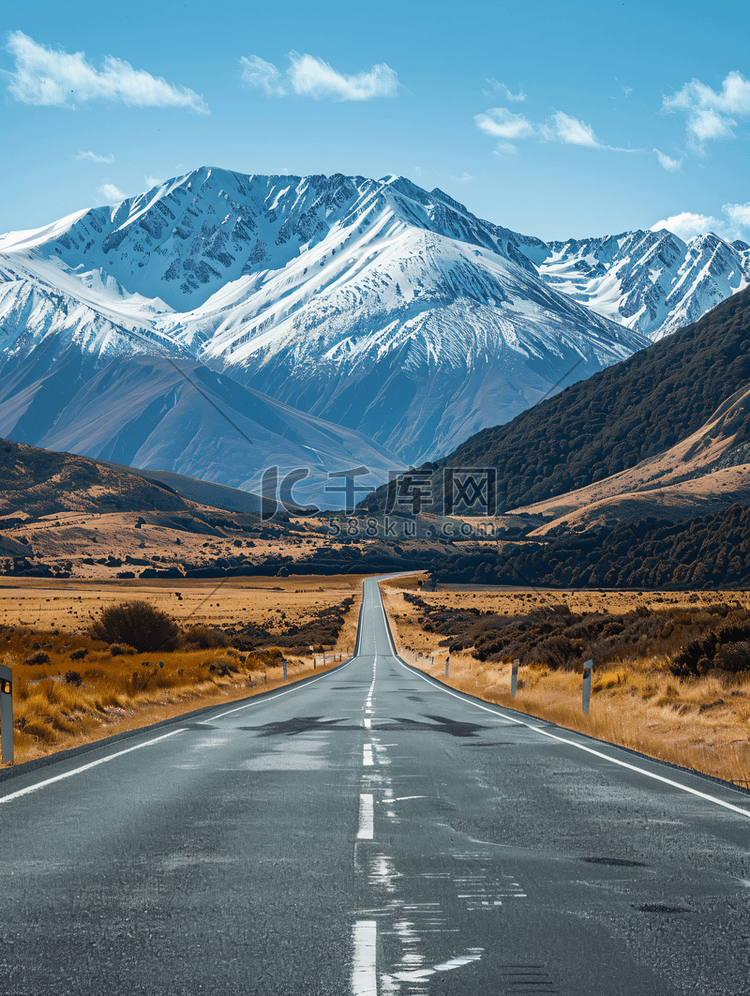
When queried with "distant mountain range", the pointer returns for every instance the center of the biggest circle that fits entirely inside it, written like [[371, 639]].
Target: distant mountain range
[[340, 321], [650, 281]]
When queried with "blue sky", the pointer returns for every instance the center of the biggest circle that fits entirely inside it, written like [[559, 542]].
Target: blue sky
[[554, 119]]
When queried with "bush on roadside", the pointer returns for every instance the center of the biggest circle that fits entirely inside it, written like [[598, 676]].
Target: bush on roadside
[[38, 658], [733, 657], [204, 638], [117, 649], [223, 667], [137, 624]]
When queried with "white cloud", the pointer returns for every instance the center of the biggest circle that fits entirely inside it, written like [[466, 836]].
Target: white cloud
[[734, 224], [152, 181], [571, 131], [464, 178], [53, 78], [505, 149], [627, 90], [499, 122], [738, 214], [686, 224], [92, 157], [509, 95], [310, 76], [262, 75], [709, 114], [667, 162], [111, 193]]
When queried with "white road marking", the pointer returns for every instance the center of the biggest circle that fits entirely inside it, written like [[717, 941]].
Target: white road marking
[[563, 740], [267, 698], [84, 767], [368, 722], [367, 760], [364, 969], [473, 954], [583, 747], [366, 819]]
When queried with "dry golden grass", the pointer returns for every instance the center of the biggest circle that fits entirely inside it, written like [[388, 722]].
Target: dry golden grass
[[124, 692], [69, 605], [700, 723]]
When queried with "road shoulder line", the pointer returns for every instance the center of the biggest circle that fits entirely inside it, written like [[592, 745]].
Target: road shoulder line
[[495, 710], [84, 767]]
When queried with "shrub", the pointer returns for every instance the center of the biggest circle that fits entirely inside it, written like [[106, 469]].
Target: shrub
[[117, 649], [557, 652], [138, 624], [205, 638], [695, 658], [223, 667], [73, 678], [733, 657], [38, 658], [78, 655]]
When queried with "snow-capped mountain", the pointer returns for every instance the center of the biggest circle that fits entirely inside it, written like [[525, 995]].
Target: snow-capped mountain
[[372, 304], [649, 281]]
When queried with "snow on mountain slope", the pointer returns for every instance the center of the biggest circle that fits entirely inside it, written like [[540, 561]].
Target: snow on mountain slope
[[185, 239], [650, 281], [145, 412], [419, 344], [373, 304]]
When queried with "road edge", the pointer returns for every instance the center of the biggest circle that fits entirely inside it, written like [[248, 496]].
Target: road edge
[[527, 715], [63, 755]]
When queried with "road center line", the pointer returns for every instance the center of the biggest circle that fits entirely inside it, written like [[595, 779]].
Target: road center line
[[367, 760], [364, 969], [84, 767], [366, 821]]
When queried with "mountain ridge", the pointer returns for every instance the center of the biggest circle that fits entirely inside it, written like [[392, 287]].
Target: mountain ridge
[[374, 305]]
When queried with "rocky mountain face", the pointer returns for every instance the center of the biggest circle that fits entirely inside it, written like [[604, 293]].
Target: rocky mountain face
[[373, 305], [650, 281]]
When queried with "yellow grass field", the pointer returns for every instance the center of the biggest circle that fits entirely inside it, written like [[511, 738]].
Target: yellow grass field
[[120, 692], [701, 723]]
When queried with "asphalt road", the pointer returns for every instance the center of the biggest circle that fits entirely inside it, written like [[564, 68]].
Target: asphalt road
[[371, 832]]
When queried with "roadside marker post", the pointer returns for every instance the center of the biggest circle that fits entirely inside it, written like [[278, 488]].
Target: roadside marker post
[[587, 685], [514, 678], [447, 662], [284, 670], [6, 713]]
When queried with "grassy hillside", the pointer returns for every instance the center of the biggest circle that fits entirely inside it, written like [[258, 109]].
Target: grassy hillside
[[38, 482]]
